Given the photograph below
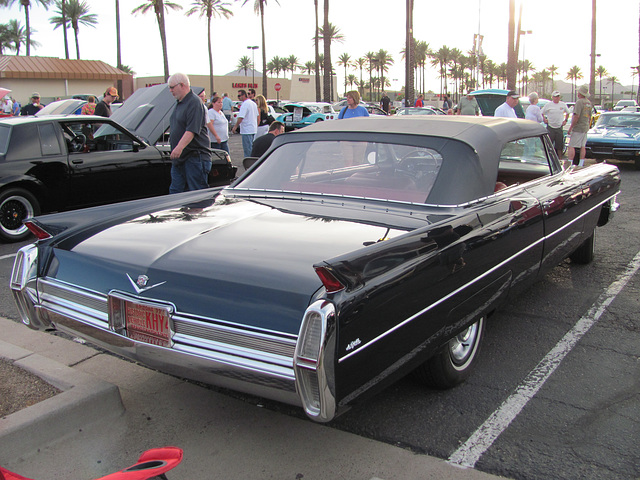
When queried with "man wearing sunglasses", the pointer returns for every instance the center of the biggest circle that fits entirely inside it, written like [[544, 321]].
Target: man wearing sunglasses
[[190, 153], [103, 108]]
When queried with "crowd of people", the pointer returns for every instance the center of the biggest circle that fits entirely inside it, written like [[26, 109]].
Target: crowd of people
[[198, 125]]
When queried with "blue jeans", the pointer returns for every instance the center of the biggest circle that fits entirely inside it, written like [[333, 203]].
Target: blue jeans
[[190, 172], [247, 143], [221, 146]]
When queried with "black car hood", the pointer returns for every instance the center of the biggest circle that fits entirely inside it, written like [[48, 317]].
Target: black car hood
[[236, 260], [147, 112]]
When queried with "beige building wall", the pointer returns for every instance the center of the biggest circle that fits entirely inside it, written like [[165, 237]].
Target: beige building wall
[[50, 89], [301, 89]]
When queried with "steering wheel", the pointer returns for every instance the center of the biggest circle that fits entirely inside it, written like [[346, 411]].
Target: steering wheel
[[77, 142], [415, 163]]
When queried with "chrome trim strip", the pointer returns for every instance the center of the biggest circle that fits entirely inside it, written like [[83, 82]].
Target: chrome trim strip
[[208, 337], [455, 292]]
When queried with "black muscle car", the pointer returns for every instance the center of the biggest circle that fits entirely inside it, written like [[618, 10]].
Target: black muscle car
[[59, 162], [351, 253]]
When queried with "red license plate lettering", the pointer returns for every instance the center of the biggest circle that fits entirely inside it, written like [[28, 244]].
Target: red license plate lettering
[[147, 323]]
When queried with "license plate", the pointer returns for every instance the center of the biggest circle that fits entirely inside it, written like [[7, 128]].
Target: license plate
[[142, 322]]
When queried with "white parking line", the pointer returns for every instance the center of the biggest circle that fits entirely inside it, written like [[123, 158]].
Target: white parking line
[[3, 257], [479, 442]]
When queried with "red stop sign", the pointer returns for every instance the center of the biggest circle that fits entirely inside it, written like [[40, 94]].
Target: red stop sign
[[277, 86]]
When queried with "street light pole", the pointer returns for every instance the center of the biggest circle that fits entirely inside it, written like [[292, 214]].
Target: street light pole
[[253, 63]]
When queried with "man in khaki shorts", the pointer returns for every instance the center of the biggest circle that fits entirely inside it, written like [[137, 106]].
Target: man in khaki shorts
[[580, 122]]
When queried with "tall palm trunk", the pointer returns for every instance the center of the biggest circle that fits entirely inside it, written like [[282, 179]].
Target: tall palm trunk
[[64, 29], [159, 7], [264, 53], [327, 54], [210, 55], [317, 58], [25, 4], [512, 52], [118, 47], [76, 27], [592, 74]]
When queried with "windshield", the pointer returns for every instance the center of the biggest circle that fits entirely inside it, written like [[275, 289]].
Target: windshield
[[622, 120], [359, 169]]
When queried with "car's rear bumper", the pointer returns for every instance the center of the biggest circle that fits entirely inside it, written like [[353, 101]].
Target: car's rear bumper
[[257, 363]]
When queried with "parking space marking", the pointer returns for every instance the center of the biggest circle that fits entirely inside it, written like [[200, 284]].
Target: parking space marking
[[3, 257], [481, 440]]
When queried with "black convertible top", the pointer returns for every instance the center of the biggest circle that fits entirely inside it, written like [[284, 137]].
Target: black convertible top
[[463, 178]]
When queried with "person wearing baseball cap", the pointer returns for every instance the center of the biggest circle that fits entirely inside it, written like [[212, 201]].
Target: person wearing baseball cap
[[34, 106], [507, 108], [103, 108], [580, 122], [556, 115]]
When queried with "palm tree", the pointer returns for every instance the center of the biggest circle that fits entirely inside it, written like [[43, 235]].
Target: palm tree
[[14, 35], [159, 7], [371, 58], [258, 8], [317, 54], [612, 79], [384, 61], [345, 60], [75, 12], [421, 54], [244, 64], [441, 59], [309, 67], [210, 9], [329, 33], [360, 63], [292, 64], [327, 54], [352, 79], [574, 74], [4, 38], [601, 72], [26, 4], [552, 70]]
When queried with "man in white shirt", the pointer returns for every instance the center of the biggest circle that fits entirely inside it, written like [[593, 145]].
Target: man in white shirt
[[556, 114], [247, 122], [507, 108]]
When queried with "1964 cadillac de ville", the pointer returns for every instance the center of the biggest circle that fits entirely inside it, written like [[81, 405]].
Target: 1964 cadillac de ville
[[351, 253]]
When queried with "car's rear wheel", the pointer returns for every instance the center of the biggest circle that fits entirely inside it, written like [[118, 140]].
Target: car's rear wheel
[[586, 252], [455, 361], [637, 163], [16, 205]]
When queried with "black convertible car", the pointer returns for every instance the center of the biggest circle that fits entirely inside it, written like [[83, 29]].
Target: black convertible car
[[51, 163], [351, 253]]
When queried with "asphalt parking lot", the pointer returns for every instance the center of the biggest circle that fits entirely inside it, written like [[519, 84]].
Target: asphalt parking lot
[[556, 394]]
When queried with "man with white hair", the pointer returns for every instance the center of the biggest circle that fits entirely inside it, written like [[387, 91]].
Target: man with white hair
[[190, 152]]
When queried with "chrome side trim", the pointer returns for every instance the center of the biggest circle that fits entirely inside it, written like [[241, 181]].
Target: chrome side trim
[[468, 284]]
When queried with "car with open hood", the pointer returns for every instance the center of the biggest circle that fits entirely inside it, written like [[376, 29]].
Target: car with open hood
[[615, 135], [491, 98], [350, 254], [60, 161]]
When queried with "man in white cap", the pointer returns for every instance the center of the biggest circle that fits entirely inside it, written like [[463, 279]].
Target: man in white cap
[[507, 109], [556, 114], [580, 122]]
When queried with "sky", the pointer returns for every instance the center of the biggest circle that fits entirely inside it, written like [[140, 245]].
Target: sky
[[560, 34]]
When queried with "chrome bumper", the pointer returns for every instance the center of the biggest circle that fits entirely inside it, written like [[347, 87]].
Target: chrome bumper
[[205, 350]]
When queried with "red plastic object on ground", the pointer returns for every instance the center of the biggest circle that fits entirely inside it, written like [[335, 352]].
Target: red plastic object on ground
[[151, 464]]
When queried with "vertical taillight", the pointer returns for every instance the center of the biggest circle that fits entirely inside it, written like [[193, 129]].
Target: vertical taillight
[[314, 363]]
